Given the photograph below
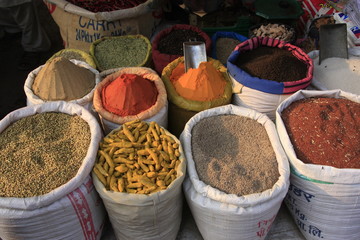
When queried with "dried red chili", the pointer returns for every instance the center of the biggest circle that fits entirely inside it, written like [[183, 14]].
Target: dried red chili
[[106, 5]]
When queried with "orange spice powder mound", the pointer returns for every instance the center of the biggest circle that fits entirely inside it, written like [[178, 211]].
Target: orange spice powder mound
[[204, 83], [129, 94]]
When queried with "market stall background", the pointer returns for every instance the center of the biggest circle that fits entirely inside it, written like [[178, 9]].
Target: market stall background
[[13, 97]]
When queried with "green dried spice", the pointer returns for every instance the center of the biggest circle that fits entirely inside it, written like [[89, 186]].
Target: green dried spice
[[72, 55], [121, 52]]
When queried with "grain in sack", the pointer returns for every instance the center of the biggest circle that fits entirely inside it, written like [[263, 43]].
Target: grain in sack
[[48, 151], [234, 191], [322, 143]]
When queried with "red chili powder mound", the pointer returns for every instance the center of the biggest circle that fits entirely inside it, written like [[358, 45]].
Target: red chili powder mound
[[129, 94], [325, 131]]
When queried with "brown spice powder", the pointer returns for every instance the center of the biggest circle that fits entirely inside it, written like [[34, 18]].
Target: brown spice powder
[[233, 154], [41, 152], [60, 79], [272, 63], [325, 131]]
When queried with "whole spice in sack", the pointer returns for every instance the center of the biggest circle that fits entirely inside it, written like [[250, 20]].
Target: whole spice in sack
[[234, 154], [224, 47], [204, 83], [274, 30], [129, 94], [60, 79], [172, 43], [325, 131], [272, 63], [106, 5], [121, 52], [139, 157], [41, 152]]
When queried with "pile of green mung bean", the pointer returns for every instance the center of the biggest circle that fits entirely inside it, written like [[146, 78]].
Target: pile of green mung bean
[[121, 52]]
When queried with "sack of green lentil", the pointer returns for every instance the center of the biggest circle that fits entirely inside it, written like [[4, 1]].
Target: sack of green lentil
[[83, 22], [265, 71], [131, 93], [223, 43], [197, 90], [238, 173], [77, 54], [142, 189], [121, 51], [62, 79], [47, 153], [168, 44], [319, 131]]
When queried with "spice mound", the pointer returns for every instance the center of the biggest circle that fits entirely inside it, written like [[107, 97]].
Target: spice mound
[[122, 51], [139, 157], [234, 154], [129, 94], [325, 131], [172, 43], [272, 63], [41, 152], [204, 83], [224, 47], [60, 79]]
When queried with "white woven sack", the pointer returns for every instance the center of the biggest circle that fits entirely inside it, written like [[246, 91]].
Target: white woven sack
[[260, 101], [323, 200], [71, 211], [156, 216], [85, 101], [227, 216], [334, 76]]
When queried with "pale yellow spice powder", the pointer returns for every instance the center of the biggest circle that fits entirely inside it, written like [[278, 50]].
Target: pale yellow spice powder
[[60, 79]]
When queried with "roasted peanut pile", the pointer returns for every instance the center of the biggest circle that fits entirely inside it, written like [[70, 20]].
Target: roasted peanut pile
[[41, 152], [137, 158]]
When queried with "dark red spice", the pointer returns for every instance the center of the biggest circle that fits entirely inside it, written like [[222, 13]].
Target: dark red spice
[[272, 63], [106, 5], [325, 131]]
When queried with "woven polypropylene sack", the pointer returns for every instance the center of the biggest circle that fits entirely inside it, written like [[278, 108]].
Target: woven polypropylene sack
[[223, 34], [227, 216], [158, 112], [181, 109], [71, 211], [86, 101], [84, 55], [261, 94], [156, 216], [323, 200]]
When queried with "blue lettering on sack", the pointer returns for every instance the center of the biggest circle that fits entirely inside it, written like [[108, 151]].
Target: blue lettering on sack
[[98, 25], [298, 192], [85, 36]]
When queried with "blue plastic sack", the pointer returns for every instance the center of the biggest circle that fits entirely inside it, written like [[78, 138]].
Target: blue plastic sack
[[222, 34]]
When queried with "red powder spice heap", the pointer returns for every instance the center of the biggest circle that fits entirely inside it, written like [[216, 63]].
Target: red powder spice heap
[[129, 94]]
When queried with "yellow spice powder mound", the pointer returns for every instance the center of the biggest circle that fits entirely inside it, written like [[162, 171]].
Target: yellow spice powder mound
[[60, 79]]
